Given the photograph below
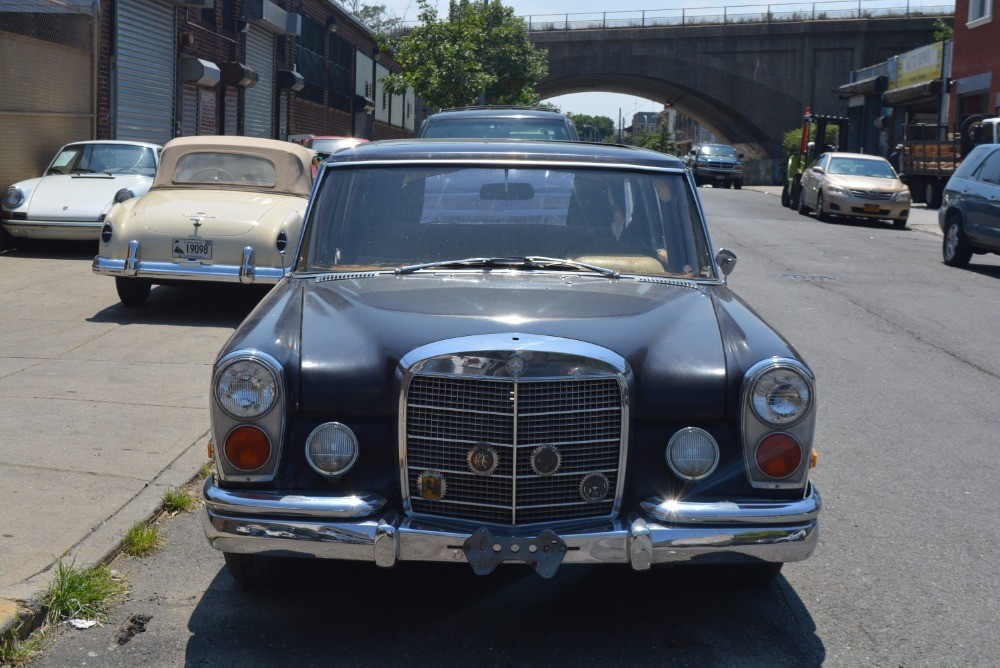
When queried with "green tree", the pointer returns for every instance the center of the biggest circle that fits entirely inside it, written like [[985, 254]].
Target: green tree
[[792, 140], [943, 31], [661, 139], [481, 48], [377, 17], [603, 126]]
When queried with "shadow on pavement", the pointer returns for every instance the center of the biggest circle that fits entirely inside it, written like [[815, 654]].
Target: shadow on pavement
[[990, 270], [440, 615], [53, 250], [201, 304]]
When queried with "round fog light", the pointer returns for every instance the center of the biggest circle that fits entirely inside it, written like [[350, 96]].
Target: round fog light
[[247, 447], [778, 455], [692, 453], [332, 449]]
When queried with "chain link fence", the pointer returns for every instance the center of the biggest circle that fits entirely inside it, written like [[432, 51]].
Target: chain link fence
[[47, 48]]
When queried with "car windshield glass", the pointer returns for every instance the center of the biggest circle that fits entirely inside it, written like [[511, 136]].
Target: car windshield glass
[[878, 169], [106, 159], [388, 217], [725, 151], [328, 146], [224, 168], [496, 128]]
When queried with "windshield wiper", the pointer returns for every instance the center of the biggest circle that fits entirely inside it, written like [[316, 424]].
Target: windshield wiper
[[530, 262]]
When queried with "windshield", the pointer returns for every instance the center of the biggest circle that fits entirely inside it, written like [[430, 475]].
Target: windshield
[[496, 128], [104, 159], [725, 151], [388, 217], [241, 170], [873, 168]]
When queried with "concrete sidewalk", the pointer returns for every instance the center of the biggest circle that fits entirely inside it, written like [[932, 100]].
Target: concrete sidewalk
[[105, 408], [922, 219]]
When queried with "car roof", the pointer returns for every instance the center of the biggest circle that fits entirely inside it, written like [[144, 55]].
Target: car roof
[[842, 154], [498, 112], [597, 154], [113, 141]]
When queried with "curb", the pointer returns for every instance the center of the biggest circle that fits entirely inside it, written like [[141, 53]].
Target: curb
[[21, 604]]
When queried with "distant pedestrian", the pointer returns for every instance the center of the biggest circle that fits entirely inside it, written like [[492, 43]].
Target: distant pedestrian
[[895, 157]]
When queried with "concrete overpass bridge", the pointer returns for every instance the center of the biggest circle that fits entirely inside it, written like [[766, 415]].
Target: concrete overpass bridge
[[747, 82]]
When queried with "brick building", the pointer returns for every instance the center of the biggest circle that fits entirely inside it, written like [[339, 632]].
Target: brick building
[[975, 70]]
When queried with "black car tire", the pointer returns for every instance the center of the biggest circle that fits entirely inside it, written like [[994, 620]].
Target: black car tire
[[796, 193], [802, 208], [252, 571], [820, 213], [899, 223], [132, 291], [786, 199], [955, 247], [932, 194], [737, 184]]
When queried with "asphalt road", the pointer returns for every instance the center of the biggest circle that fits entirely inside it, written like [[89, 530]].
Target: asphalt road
[[907, 355]]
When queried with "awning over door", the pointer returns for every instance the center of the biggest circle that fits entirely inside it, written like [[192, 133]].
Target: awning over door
[[912, 93]]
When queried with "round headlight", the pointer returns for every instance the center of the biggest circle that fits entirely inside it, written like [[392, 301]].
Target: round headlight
[[781, 396], [12, 197], [332, 449], [692, 453], [123, 195], [246, 389]]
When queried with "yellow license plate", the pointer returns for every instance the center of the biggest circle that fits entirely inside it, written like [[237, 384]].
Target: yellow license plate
[[871, 208]]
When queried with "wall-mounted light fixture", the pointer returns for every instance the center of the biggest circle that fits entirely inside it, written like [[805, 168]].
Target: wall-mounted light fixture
[[242, 25], [332, 24]]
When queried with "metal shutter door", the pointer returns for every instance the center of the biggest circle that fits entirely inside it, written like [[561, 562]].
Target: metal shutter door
[[189, 111], [259, 100], [231, 121], [145, 83]]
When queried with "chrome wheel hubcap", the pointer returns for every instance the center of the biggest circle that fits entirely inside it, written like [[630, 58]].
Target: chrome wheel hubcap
[[951, 241]]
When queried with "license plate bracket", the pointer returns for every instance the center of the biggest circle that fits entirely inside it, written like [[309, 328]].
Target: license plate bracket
[[192, 248], [871, 208], [544, 553]]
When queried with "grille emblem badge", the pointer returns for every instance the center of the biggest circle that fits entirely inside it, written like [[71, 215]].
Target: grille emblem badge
[[482, 459], [432, 485], [516, 364], [594, 487], [545, 460]]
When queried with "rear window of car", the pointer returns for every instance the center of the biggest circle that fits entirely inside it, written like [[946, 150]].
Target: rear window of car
[[496, 128], [224, 168], [384, 217]]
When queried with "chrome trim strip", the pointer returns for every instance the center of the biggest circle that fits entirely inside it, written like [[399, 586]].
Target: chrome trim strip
[[42, 224], [247, 266], [227, 501], [744, 511], [636, 540], [532, 162], [184, 271]]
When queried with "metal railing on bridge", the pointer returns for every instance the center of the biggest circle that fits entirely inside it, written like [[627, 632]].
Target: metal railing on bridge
[[724, 15], [756, 13]]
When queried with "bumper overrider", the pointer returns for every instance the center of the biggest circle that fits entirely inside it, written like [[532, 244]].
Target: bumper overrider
[[362, 528], [134, 266]]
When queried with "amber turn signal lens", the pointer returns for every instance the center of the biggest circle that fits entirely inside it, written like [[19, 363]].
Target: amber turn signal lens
[[247, 448], [778, 455]]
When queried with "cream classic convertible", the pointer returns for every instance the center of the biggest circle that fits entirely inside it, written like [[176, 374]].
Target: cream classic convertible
[[219, 209]]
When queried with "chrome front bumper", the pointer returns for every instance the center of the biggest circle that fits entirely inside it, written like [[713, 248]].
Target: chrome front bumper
[[362, 528], [134, 266], [54, 229]]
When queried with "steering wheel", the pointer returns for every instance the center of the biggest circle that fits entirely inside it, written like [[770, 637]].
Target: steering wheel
[[221, 174]]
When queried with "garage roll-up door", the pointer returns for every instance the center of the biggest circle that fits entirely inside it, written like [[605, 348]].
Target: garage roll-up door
[[145, 71], [259, 99]]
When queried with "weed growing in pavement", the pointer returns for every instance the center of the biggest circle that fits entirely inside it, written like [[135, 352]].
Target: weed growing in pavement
[[84, 593], [178, 500], [142, 539], [16, 653], [205, 470]]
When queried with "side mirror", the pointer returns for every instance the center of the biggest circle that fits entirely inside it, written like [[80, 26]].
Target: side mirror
[[726, 259], [818, 169]]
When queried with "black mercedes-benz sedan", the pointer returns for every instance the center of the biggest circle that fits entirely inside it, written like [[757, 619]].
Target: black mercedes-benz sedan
[[508, 351]]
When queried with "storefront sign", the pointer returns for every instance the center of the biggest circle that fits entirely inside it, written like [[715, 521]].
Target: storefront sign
[[921, 64]]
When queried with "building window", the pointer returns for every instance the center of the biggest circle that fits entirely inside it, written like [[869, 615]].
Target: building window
[[980, 11]]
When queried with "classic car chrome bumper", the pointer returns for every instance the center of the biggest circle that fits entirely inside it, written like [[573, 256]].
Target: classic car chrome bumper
[[195, 270], [54, 229], [362, 528]]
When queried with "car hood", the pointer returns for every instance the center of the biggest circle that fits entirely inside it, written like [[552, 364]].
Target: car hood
[[80, 197], [864, 182], [221, 213], [354, 333]]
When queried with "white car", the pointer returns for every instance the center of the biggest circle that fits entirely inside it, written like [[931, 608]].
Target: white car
[[220, 209], [79, 187]]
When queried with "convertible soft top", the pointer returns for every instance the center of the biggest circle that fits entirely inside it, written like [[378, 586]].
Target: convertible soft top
[[292, 162]]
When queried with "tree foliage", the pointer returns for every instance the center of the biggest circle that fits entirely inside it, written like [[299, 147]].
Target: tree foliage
[[943, 31], [481, 48], [377, 17], [661, 139], [792, 140], [603, 126]]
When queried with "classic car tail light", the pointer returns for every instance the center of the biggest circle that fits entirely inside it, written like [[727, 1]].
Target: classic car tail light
[[692, 453], [778, 455], [247, 447], [281, 242], [107, 232], [332, 449]]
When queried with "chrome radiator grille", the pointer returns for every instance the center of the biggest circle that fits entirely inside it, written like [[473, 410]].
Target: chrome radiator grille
[[873, 195], [447, 416]]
